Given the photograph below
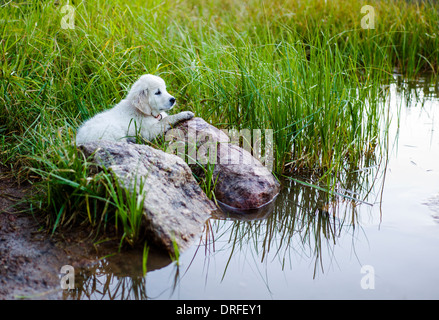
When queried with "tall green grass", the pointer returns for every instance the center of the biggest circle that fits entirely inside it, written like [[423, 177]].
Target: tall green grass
[[73, 191], [305, 69]]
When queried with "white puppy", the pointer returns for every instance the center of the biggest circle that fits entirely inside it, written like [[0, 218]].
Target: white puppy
[[142, 111]]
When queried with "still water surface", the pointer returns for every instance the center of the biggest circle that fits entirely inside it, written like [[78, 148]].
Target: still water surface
[[386, 247]]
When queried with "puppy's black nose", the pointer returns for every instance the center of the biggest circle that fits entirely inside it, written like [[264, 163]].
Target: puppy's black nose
[[172, 101]]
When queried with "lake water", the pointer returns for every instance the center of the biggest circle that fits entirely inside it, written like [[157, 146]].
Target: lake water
[[386, 247]]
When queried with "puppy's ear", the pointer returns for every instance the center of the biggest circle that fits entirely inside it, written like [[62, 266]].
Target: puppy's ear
[[140, 101]]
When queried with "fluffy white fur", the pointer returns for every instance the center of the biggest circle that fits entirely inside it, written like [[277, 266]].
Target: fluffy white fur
[[143, 110]]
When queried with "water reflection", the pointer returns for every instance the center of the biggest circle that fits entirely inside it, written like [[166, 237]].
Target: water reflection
[[415, 91], [300, 221], [117, 277]]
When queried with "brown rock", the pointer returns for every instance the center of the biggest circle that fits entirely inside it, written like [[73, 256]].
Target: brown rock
[[242, 182]]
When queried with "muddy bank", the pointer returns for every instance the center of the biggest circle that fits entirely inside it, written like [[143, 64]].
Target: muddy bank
[[28, 262], [31, 260]]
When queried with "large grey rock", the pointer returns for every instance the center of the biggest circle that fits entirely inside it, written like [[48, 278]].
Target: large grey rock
[[174, 206], [242, 182]]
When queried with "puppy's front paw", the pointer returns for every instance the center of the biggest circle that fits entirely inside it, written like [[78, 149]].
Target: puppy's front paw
[[167, 127], [186, 115]]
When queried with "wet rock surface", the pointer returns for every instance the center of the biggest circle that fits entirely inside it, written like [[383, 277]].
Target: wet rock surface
[[174, 206], [242, 182]]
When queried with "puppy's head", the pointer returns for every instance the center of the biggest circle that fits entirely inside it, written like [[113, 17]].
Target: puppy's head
[[149, 95]]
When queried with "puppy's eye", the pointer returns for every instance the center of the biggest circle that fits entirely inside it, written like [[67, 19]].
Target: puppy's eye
[[158, 93]]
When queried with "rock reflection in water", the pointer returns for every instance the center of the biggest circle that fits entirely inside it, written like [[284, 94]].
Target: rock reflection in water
[[298, 221], [301, 221], [117, 277]]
